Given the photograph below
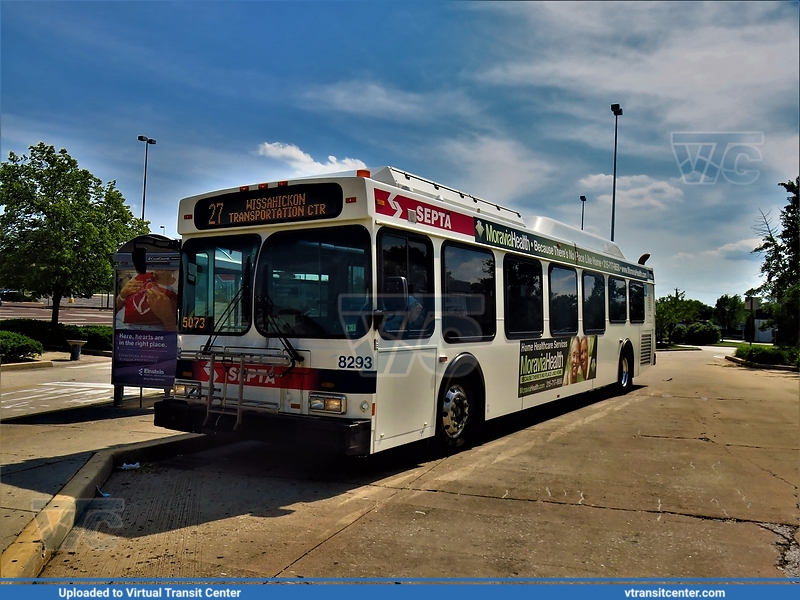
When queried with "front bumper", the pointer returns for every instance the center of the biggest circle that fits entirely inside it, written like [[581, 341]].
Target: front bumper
[[351, 438]]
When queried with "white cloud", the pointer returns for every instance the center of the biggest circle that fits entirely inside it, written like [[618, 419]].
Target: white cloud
[[365, 98], [695, 66], [496, 169], [636, 191], [302, 163], [736, 250]]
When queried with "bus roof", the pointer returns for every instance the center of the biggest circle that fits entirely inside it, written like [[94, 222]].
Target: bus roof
[[542, 225], [404, 180]]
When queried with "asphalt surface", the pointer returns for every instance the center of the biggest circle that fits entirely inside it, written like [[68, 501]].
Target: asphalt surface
[[58, 383], [693, 474], [85, 311]]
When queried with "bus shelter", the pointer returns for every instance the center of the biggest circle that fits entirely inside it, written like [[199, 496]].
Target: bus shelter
[[146, 273]]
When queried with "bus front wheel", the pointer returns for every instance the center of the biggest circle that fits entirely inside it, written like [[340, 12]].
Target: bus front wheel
[[456, 424], [625, 373]]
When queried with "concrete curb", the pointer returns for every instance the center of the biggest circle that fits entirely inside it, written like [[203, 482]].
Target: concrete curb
[[747, 363], [678, 349], [35, 545], [39, 364]]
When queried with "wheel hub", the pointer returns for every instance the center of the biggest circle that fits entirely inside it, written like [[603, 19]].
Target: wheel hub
[[625, 374], [455, 411]]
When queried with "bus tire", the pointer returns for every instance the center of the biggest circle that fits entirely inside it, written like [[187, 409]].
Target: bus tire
[[625, 372], [459, 413]]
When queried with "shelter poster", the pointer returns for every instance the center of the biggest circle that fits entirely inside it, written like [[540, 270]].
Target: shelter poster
[[545, 364], [145, 328]]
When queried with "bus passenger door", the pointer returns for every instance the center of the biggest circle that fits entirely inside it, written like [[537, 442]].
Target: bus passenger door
[[405, 404]]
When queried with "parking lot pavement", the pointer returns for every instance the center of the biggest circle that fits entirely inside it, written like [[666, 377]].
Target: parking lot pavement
[[85, 311], [693, 474]]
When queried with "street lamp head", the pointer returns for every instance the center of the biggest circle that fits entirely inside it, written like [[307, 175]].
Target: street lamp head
[[144, 138], [616, 109], [583, 198]]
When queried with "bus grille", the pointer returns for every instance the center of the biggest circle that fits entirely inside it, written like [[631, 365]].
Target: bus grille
[[647, 348]]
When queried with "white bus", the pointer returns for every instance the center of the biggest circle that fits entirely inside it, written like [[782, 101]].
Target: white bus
[[363, 311]]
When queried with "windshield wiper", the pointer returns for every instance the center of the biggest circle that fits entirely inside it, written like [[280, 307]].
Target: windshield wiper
[[266, 304], [244, 288]]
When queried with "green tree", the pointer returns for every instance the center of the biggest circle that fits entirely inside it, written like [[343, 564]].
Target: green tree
[[694, 310], [60, 226], [670, 312], [673, 310], [781, 266], [729, 312]]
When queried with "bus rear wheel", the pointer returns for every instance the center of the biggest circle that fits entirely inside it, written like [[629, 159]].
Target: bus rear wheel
[[625, 373], [455, 422]]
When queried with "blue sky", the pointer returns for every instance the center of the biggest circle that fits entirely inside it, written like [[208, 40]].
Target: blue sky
[[507, 101]]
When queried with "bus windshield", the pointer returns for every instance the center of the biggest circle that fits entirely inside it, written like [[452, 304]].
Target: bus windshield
[[213, 273], [315, 283]]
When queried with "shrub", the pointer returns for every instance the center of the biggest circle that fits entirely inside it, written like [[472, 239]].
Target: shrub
[[702, 334], [38, 330], [98, 337], [678, 334], [15, 347], [767, 355]]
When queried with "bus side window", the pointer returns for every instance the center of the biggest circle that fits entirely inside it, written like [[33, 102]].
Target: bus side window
[[617, 300], [523, 285], [594, 303], [563, 301], [469, 297], [636, 291]]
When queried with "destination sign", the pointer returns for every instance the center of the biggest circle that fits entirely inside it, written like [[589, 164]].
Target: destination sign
[[285, 204], [525, 242]]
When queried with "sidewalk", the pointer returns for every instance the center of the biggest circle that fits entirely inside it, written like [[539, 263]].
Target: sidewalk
[[50, 358], [51, 464]]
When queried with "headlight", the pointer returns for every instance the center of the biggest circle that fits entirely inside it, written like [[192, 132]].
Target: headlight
[[186, 389], [323, 402]]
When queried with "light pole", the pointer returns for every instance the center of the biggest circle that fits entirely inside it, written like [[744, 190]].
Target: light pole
[[617, 110], [147, 141], [583, 208]]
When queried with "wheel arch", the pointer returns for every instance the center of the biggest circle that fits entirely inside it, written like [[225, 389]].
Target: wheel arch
[[464, 366]]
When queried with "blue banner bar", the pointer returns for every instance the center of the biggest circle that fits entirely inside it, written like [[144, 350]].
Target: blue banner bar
[[418, 589]]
